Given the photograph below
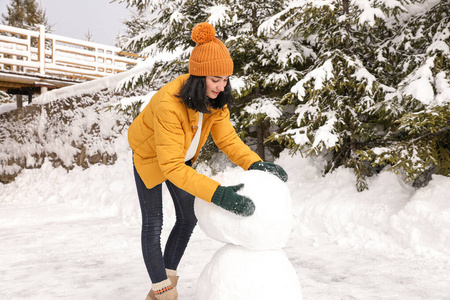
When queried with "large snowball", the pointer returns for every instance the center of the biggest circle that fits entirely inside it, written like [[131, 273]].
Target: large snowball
[[268, 228], [238, 273]]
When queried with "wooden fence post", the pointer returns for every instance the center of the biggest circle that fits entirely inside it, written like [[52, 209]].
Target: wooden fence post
[[19, 101], [41, 49]]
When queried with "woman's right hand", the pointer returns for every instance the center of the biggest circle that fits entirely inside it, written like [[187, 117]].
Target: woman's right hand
[[227, 198]]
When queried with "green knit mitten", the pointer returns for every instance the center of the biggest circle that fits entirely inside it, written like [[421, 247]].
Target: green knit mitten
[[227, 198], [271, 168]]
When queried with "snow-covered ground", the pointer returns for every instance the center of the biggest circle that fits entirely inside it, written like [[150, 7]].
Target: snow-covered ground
[[76, 235]]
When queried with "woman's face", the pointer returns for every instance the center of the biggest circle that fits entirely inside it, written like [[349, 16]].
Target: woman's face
[[215, 85]]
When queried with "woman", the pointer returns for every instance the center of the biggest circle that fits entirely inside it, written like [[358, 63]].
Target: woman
[[166, 139]]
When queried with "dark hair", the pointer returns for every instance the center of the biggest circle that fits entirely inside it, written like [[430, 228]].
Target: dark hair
[[193, 94]]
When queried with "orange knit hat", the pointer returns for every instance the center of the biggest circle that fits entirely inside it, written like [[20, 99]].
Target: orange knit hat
[[210, 57]]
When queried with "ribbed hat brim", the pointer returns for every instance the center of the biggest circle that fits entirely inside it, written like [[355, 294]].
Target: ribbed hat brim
[[222, 67]]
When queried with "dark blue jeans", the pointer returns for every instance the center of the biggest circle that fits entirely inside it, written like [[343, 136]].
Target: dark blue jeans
[[152, 220]]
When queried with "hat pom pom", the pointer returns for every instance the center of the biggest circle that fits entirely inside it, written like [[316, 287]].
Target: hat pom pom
[[203, 33]]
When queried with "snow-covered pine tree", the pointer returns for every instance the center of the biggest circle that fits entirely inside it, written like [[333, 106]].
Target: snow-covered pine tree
[[360, 102], [264, 68], [420, 58]]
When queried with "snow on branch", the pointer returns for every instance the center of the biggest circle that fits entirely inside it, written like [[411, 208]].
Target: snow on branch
[[264, 106], [287, 52], [419, 83], [218, 15], [299, 135], [362, 74], [325, 135], [370, 10], [318, 75], [442, 89]]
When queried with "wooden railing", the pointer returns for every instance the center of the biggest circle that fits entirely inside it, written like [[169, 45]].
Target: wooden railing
[[45, 54]]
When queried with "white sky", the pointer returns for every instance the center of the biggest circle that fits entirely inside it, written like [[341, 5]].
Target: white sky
[[74, 18]]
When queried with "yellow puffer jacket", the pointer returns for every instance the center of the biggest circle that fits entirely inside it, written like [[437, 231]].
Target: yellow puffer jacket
[[162, 133]]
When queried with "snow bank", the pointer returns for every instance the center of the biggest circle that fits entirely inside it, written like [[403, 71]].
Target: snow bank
[[389, 215], [4, 108], [423, 224], [109, 189]]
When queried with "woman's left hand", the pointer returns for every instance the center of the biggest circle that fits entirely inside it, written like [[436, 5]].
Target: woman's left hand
[[271, 168]]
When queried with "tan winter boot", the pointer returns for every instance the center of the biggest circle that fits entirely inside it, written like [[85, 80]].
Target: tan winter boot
[[151, 296], [163, 290], [171, 294], [174, 280], [172, 275]]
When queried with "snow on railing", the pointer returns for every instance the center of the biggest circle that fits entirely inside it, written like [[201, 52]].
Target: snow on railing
[[27, 51]]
